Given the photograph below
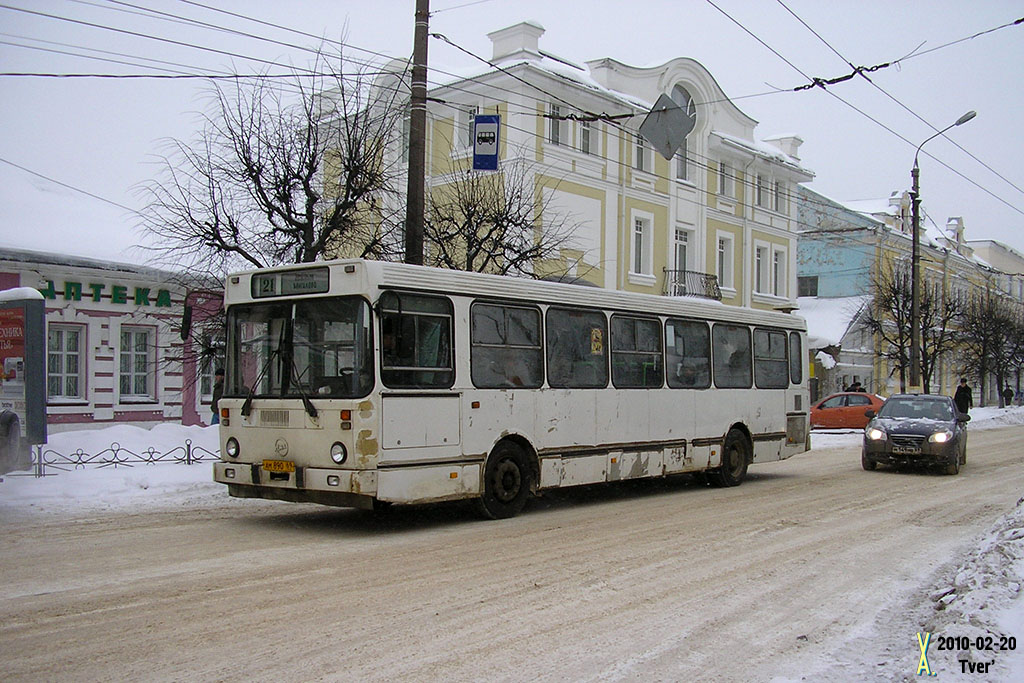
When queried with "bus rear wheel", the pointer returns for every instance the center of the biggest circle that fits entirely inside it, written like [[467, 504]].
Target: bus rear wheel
[[508, 480], [735, 459]]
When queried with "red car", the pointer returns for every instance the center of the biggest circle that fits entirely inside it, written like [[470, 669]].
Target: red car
[[844, 410]]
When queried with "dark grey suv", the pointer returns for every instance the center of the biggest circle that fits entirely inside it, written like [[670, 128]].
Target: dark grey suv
[[916, 429]]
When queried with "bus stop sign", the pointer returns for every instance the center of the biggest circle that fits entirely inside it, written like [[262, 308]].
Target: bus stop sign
[[485, 142]]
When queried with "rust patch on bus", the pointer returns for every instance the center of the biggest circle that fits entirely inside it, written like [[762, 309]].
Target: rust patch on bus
[[366, 410], [366, 444]]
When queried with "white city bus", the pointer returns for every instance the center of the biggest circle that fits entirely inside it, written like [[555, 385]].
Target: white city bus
[[357, 383]]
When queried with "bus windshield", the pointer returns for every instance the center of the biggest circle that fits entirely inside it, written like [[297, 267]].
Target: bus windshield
[[313, 347]]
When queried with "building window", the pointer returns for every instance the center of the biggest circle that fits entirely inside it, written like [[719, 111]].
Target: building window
[[682, 243], [213, 358], [761, 196], [681, 163], [761, 269], [137, 354], [466, 124], [586, 133], [641, 261], [64, 363], [807, 285], [556, 129], [725, 262], [640, 151], [779, 272], [781, 205], [724, 179]]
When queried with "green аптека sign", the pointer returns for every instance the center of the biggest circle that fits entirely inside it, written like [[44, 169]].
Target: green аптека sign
[[141, 296]]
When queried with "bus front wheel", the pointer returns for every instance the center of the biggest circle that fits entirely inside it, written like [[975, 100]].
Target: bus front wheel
[[507, 482], [735, 459]]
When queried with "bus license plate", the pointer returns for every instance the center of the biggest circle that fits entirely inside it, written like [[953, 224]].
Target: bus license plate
[[278, 466], [906, 450]]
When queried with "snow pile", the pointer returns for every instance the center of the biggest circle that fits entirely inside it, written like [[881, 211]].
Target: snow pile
[[979, 602], [126, 486]]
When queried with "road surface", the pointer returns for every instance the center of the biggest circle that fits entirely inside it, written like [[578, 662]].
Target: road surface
[[647, 581]]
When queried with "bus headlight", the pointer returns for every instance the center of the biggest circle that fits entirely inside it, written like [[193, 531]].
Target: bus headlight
[[941, 437], [875, 434], [232, 447], [338, 452]]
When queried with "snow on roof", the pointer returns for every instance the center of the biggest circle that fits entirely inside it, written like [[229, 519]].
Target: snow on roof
[[554, 66], [870, 207], [829, 319], [762, 148], [20, 294]]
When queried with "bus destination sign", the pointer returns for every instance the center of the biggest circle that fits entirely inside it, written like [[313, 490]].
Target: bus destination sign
[[290, 283]]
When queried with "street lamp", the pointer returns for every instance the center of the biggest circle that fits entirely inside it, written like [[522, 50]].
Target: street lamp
[[915, 257]]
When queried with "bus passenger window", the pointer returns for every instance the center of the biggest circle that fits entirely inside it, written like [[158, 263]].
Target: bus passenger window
[[732, 356], [688, 346], [796, 358], [576, 350], [636, 352], [416, 348], [505, 349], [771, 367]]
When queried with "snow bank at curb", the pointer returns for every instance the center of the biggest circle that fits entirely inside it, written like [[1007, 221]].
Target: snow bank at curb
[[979, 603]]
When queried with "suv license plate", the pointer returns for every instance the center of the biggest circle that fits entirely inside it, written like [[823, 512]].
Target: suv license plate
[[278, 465]]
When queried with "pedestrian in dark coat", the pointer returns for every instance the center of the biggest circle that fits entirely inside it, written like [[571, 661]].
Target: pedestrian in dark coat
[[963, 398]]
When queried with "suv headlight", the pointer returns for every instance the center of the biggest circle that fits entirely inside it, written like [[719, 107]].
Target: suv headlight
[[874, 433], [941, 437]]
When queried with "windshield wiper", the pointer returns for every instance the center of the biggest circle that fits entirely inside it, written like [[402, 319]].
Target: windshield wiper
[[306, 403], [247, 405]]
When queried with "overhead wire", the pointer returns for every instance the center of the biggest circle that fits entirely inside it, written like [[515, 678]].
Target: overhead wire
[[790, 196], [862, 72], [866, 115]]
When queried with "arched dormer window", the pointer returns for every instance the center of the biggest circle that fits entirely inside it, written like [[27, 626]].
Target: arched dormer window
[[681, 96]]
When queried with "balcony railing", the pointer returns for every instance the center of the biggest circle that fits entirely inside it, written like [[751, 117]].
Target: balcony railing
[[692, 283]]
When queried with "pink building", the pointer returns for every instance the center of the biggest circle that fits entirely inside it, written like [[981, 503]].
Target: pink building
[[115, 352]]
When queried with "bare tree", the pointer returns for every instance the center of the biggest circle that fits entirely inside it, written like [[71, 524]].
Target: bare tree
[[888, 317], [940, 314], [496, 222], [251, 189], [990, 338]]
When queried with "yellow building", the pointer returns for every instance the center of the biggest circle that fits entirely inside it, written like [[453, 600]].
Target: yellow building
[[724, 205]]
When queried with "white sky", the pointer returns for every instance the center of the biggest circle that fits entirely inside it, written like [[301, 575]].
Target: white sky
[[101, 135]]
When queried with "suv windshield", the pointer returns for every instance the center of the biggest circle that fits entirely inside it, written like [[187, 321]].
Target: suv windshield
[[314, 347], [917, 408]]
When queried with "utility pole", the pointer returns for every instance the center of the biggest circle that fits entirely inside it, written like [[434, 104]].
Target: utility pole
[[417, 138], [915, 258], [915, 294]]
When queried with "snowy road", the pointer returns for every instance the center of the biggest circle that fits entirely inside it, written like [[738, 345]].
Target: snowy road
[[648, 581]]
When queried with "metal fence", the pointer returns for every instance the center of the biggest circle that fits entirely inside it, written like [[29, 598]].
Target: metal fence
[[46, 461], [692, 283]]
